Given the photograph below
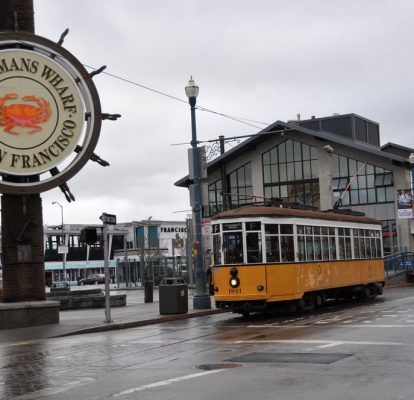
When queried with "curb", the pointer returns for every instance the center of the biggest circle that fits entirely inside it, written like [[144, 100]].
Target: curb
[[135, 324]]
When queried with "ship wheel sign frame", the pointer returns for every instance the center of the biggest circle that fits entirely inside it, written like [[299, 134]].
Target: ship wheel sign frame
[[50, 114]]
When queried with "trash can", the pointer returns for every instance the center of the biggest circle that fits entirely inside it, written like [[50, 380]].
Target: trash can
[[173, 296]]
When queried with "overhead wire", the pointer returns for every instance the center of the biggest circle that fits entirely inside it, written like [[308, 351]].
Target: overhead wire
[[241, 120]]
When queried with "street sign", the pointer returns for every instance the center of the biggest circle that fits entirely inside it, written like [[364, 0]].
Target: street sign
[[109, 219]]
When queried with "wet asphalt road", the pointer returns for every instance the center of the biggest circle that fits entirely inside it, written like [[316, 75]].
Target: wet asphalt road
[[347, 351]]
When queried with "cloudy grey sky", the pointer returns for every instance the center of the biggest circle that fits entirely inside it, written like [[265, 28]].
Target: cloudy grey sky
[[263, 60]]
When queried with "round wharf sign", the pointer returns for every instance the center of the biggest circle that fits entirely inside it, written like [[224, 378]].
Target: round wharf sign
[[50, 114]]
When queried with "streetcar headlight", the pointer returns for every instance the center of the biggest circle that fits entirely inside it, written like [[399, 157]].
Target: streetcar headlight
[[260, 288], [234, 272], [234, 282]]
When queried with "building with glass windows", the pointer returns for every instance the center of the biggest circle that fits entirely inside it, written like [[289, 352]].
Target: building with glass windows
[[160, 244], [331, 162]]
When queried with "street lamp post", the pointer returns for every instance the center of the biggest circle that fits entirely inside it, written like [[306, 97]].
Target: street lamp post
[[63, 242], [201, 299]]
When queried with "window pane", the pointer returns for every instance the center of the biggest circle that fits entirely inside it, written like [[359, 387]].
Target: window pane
[[298, 171], [307, 170], [216, 249], [272, 228], [390, 193], [286, 229], [253, 226], [301, 248], [306, 152], [363, 196], [283, 173], [309, 248], [318, 247], [380, 195], [266, 158], [272, 249], [275, 173], [352, 167], [371, 196], [233, 247], [315, 168], [297, 154], [282, 152], [356, 247], [343, 166], [267, 174], [254, 247], [287, 248], [291, 171], [289, 150], [332, 248], [325, 248]]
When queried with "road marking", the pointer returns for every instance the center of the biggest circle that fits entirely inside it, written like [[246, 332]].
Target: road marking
[[166, 382], [325, 343]]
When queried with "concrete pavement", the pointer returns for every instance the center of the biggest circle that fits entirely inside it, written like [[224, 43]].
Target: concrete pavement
[[135, 313]]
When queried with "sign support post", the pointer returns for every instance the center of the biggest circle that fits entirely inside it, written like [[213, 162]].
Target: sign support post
[[107, 219]]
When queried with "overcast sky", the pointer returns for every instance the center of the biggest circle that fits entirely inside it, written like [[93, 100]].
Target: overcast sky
[[263, 60]]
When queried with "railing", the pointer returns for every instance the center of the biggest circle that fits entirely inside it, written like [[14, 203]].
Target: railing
[[399, 262]]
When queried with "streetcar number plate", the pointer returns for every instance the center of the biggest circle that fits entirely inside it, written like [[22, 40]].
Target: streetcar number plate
[[235, 291]]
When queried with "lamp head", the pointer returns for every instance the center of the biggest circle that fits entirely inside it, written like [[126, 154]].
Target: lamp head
[[191, 90], [411, 159]]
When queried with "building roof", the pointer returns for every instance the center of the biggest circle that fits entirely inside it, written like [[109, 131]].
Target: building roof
[[281, 128]]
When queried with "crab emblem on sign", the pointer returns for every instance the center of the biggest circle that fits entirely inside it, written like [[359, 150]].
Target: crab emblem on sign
[[23, 114]]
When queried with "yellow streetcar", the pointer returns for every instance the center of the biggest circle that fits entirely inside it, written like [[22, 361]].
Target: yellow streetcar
[[266, 257]]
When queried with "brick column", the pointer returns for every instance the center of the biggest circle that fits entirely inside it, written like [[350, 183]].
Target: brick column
[[21, 216]]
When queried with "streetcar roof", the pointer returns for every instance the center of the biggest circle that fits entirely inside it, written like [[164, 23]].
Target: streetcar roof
[[276, 211]]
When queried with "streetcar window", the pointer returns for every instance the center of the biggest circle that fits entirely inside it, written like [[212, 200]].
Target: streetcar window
[[287, 248], [368, 247], [362, 246], [216, 228], [253, 226], [272, 229], [286, 229], [233, 247], [318, 247], [332, 248], [325, 248], [235, 226], [348, 251], [272, 249], [216, 249], [300, 229], [378, 240], [341, 240], [301, 248], [254, 247], [357, 253], [310, 256]]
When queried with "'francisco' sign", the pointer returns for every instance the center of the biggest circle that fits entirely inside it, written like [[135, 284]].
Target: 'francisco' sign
[[41, 113], [48, 108]]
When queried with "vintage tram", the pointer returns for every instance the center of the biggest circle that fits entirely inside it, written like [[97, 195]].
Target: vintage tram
[[268, 257]]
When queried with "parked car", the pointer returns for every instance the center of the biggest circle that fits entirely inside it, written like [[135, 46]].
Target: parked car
[[92, 280]]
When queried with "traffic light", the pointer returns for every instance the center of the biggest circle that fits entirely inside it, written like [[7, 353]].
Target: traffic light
[[196, 246], [88, 235]]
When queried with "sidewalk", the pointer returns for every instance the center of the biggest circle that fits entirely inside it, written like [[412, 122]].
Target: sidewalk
[[135, 313]]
